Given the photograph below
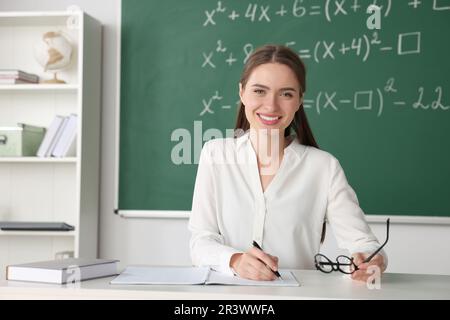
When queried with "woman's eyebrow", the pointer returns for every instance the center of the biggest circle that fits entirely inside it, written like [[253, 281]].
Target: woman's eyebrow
[[260, 85], [266, 87]]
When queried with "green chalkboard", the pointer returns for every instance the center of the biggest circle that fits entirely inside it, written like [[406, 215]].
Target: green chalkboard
[[379, 100]]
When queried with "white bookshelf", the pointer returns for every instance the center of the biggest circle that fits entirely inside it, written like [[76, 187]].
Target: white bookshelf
[[37, 233], [51, 189], [37, 160], [39, 87]]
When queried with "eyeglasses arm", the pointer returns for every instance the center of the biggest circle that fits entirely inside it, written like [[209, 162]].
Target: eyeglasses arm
[[379, 249]]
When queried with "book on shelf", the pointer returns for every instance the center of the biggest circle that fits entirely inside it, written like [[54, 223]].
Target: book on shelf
[[50, 136], [66, 144], [60, 139], [57, 136], [17, 76], [62, 271], [35, 226], [15, 81]]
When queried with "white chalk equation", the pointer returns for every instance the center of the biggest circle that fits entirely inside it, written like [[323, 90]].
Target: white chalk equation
[[363, 100], [327, 9], [209, 102], [360, 47], [373, 100], [437, 5]]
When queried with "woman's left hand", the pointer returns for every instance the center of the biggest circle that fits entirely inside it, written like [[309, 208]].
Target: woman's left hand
[[363, 273]]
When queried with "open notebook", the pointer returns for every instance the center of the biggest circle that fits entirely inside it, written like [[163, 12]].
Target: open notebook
[[194, 275]]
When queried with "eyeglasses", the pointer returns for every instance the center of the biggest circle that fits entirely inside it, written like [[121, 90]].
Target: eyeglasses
[[343, 263]]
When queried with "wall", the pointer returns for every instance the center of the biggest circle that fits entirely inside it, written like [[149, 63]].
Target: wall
[[412, 248]]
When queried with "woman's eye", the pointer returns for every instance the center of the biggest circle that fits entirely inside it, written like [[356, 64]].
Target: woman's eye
[[287, 94], [258, 91]]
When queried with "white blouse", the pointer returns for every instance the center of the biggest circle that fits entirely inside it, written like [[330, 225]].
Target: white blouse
[[230, 209]]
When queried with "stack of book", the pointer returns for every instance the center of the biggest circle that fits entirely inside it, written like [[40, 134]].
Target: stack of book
[[60, 138], [17, 77]]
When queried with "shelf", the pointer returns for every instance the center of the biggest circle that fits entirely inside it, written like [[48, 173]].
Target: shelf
[[38, 233], [23, 18], [37, 160], [70, 88]]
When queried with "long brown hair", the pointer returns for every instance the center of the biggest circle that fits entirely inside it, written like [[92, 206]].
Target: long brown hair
[[299, 124]]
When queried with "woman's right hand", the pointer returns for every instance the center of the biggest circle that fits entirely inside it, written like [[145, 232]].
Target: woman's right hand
[[254, 265]]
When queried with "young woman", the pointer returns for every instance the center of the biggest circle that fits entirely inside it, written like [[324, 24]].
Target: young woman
[[272, 184]]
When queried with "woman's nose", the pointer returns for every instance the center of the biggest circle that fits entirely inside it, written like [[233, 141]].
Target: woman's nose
[[272, 102]]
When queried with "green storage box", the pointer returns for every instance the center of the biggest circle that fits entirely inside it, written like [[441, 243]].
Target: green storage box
[[21, 141]]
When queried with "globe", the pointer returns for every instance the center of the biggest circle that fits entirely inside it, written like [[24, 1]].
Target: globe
[[54, 53]]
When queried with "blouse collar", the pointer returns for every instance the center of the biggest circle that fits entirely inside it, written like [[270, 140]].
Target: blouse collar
[[294, 147]]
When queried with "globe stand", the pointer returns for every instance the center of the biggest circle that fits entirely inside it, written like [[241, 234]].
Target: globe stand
[[54, 80]]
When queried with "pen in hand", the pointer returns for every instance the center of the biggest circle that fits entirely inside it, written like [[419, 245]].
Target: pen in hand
[[256, 245]]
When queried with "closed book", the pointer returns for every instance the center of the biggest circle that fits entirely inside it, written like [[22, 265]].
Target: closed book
[[35, 226], [67, 139], [57, 137], [19, 74], [62, 271], [50, 136], [15, 81]]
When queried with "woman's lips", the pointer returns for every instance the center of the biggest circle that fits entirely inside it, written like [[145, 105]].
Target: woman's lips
[[268, 119]]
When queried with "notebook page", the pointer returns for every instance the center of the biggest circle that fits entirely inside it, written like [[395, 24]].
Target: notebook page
[[288, 280], [162, 275]]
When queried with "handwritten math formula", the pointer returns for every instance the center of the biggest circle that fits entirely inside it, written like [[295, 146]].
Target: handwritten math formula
[[365, 100], [328, 10], [327, 50], [323, 50]]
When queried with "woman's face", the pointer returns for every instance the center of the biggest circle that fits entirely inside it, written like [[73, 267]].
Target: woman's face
[[271, 96]]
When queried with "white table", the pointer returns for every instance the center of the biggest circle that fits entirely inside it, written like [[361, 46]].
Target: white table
[[314, 285]]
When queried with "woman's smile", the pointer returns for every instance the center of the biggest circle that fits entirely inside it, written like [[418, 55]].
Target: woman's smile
[[268, 119]]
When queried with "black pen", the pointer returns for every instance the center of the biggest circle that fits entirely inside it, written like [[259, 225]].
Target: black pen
[[256, 245]]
